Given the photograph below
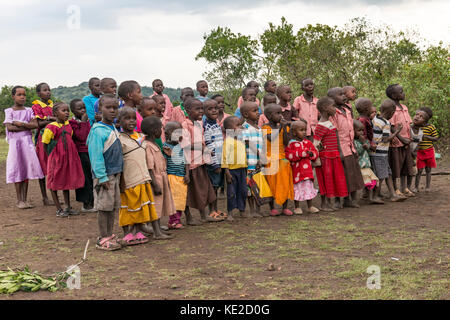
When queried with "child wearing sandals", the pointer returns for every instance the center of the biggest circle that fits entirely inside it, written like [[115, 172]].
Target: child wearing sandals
[[136, 194], [22, 163], [300, 152], [105, 154], [156, 165]]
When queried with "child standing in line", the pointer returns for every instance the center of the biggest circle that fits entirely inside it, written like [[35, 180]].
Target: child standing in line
[[160, 108], [22, 163], [136, 194], [289, 113], [300, 152], [146, 108], [107, 86], [252, 85], [90, 100], [179, 113], [64, 171], [253, 138], [350, 95], [419, 121], [221, 106], [214, 142], [367, 113], [306, 106], [158, 88], [107, 167], [270, 86], [278, 172], [202, 88], [382, 136], [425, 155], [200, 190], [330, 175], [43, 112], [269, 98], [234, 161], [157, 168], [343, 121], [248, 94], [177, 171], [400, 157], [362, 146], [81, 127]]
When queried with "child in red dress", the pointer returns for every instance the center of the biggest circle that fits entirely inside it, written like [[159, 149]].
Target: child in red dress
[[300, 152], [330, 175], [64, 171]]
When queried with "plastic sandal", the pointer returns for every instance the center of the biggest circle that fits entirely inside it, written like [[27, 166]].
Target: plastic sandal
[[62, 213], [107, 244], [140, 238], [287, 212], [313, 210], [176, 226], [274, 213], [129, 240], [216, 216], [222, 214], [298, 211]]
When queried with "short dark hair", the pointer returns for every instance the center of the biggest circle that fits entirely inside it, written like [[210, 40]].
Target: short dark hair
[[125, 110], [154, 81], [126, 87], [428, 111], [363, 105], [150, 124], [104, 81], [387, 105], [227, 123], [270, 108], [333, 91], [216, 96], [244, 91], [56, 106], [324, 102], [200, 81], [266, 84], [188, 103], [297, 123], [105, 97], [39, 86], [391, 89], [13, 91], [73, 103], [91, 80]]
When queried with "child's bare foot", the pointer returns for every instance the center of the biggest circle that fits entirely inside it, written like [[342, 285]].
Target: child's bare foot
[[338, 205], [264, 213], [230, 216], [47, 202], [326, 209], [427, 189], [298, 211], [162, 236], [397, 198], [29, 204], [313, 210], [415, 190], [408, 193], [256, 214], [244, 214], [22, 205], [376, 201]]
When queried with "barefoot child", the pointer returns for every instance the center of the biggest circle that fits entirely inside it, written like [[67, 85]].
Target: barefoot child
[[200, 190], [362, 146], [177, 171], [156, 165], [22, 163], [136, 194], [234, 161], [81, 127], [300, 152], [214, 142], [158, 88], [90, 100], [330, 175], [343, 121], [306, 106], [382, 137], [43, 112], [278, 172], [64, 170], [425, 155], [105, 154]]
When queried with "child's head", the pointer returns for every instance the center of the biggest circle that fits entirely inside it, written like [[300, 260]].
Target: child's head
[[308, 86], [108, 104], [43, 91], [19, 95], [220, 102], [270, 86], [232, 126], [284, 93], [326, 107], [147, 107], [358, 127], [338, 95], [160, 105], [248, 94], [350, 93], [108, 85], [186, 93], [152, 127], [254, 85], [210, 109], [78, 108], [395, 92], [428, 111], [387, 109], [127, 119], [273, 112], [172, 136], [420, 118], [365, 108], [158, 86], [61, 112], [250, 111], [130, 92], [202, 88], [298, 128], [194, 109], [268, 99], [94, 86]]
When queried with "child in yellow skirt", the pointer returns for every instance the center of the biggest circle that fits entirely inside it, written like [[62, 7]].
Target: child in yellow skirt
[[137, 204]]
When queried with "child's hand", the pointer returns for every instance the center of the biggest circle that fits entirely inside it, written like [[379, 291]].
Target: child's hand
[[373, 148], [85, 117], [217, 171], [229, 177], [399, 127], [156, 189], [310, 153], [104, 185], [167, 151], [18, 124], [366, 146], [187, 180]]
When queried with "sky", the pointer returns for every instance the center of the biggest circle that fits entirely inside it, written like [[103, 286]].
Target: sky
[[66, 42]]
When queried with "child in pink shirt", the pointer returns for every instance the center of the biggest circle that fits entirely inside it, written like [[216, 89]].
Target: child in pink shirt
[[306, 107], [158, 88]]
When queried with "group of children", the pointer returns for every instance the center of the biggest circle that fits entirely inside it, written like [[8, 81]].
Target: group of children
[[147, 159]]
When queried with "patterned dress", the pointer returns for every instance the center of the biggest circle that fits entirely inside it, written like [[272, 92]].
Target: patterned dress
[[42, 111]]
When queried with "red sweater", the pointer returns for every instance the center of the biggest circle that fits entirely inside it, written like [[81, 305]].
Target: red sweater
[[297, 153]]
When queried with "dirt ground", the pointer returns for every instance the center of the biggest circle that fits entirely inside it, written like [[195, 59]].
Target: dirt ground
[[314, 256]]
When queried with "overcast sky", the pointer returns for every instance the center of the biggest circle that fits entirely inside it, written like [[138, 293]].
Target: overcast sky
[[137, 39]]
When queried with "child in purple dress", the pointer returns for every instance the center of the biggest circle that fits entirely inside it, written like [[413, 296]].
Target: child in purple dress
[[22, 163]]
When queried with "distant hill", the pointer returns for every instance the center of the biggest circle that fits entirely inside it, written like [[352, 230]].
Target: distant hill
[[68, 93]]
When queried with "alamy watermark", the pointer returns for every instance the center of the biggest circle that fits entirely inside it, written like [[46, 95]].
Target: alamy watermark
[[74, 17], [374, 281]]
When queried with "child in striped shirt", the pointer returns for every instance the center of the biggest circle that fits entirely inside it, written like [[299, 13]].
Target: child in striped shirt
[[426, 155]]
